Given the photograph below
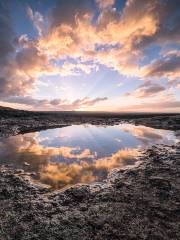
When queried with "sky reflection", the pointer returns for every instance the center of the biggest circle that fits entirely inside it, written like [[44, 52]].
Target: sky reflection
[[79, 153]]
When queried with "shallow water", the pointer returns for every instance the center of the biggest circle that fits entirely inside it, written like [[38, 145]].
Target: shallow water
[[79, 153]]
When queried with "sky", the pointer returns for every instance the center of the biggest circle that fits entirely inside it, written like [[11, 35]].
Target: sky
[[90, 55]]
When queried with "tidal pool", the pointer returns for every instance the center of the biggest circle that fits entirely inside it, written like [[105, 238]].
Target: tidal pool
[[79, 153]]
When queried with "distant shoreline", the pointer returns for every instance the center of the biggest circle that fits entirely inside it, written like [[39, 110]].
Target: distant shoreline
[[13, 122]]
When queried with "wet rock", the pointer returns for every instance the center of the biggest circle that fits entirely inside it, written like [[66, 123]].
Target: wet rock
[[19, 171], [138, 203], [15, 122]]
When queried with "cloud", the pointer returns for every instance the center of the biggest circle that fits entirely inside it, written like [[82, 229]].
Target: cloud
[[166, 66], [18, 76], [104, 4], [165, 16], [37, 20], [87, 101], [18, 64], [7, 48], [28, 148], [169, 23], [76, 69], [145, 135], [154, 106], [166, 105], [83, 40], [67, 12], [119, 159], [147, 89], [63, 175], [30, 60], [138, 26], [67, 172], [55, 104], [7, 34]]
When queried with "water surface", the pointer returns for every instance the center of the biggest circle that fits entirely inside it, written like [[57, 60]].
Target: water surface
[[79, 153]]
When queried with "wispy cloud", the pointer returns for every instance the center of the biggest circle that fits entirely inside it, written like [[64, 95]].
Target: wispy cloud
[[54, 104], [147, 89]]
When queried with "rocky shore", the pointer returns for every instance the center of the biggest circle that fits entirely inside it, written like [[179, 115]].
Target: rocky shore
[[138, 203], [142, 202], [13, 122]]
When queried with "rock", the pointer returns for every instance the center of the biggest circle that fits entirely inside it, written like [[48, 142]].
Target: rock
[[138, 203], [26, 164]]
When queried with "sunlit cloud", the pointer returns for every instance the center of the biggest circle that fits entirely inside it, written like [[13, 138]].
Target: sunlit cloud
[[76, 39]]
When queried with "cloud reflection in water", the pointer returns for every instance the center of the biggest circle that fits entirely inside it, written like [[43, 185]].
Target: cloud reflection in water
[[79, 154]]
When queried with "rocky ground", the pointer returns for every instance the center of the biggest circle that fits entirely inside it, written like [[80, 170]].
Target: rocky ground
[[138, 203], [13, 122]]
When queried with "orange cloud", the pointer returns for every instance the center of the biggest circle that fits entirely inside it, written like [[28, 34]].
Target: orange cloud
[[126, 29], [137, 26], [130, 31], [120, 36]]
